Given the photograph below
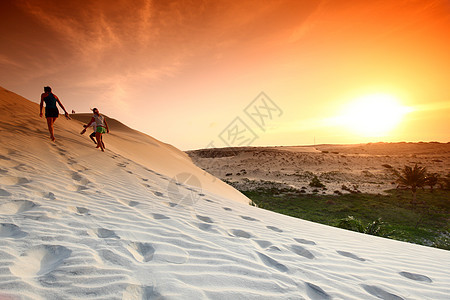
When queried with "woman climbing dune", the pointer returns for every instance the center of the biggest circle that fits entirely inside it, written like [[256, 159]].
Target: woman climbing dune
[[51, 110]]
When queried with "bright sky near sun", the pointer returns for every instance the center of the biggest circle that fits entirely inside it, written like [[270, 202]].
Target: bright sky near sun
[[191, 73]]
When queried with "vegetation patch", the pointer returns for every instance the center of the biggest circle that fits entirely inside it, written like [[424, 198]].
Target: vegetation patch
[[425, 222]]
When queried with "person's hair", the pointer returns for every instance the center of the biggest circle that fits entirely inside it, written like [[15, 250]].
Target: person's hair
[[47, 89]]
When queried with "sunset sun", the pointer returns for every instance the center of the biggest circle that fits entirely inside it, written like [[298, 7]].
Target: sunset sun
[[373, 115]]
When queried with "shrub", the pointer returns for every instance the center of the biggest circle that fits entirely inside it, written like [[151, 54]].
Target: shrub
[[374, 228], [315, 182], [442, 242], [350, 223], [431, 180]]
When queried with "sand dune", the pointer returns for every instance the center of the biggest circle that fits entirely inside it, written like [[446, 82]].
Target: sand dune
[[134, 223]]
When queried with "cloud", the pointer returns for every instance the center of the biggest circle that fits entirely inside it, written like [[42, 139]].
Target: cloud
[[307, 25], [7, 61]]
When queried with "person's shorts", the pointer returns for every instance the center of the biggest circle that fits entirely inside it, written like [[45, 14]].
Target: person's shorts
[[51, 112], [101, 129]]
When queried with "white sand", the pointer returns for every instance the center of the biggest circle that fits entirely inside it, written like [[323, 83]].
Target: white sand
[[76, 223]]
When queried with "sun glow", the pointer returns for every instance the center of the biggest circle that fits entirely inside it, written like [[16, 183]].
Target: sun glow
[[373, 115]]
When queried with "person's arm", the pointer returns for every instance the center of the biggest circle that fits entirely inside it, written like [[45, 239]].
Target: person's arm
[[41, 105], [62, 106], [84, 130], [90, 122], [107, 128], [87, 126]]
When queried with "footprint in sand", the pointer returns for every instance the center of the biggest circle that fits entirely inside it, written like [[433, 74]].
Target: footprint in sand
[[270, 262], [303, 241], [299, 250], [206, 227], [227, 208], [4, 193], [160, 217], [50, 196], [130, 203], [350, 255], [60, 150], [40, 260], [159, 194], [79, 178], [207, 200], [263, 244], [134, 291], [24, 168], [114, 258], [16, 207], [4, 157], [274, 248], [380, 293], [11, 231], [276, 229], [79, 210], [148, 170], [240, 233], [249, 218], [316, 292], [12, 180], [105, 233], [142, 252], [416, 277], [205, 219]]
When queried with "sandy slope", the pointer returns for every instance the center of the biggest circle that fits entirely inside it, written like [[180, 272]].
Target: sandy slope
[[364, 167], [76, 223]]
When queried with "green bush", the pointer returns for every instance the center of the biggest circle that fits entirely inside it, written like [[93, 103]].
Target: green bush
[[315, 182], [373, 228]]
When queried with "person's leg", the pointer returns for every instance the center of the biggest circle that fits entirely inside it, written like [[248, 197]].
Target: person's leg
[[103, 144], [98, 135], [51, 130], [92, 136]]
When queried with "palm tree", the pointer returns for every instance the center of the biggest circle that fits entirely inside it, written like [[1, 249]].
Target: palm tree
[[412, 177]]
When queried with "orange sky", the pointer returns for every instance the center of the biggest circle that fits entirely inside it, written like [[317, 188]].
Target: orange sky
[[183, 71]]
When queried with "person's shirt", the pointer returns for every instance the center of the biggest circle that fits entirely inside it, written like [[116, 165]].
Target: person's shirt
[[99, 120], [50, 101], [94, 126]]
